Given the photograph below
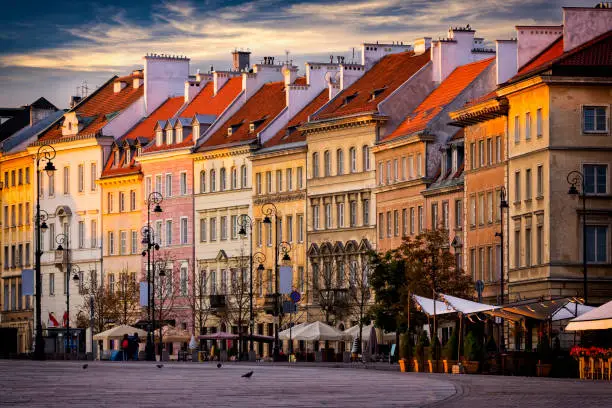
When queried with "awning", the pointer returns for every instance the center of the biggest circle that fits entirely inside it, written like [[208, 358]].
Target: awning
[[426, 305], [118, 332], [466, 306], [570, 311], [552, 309], [287, 333], [319, 331], [172, 334], [597, 319]]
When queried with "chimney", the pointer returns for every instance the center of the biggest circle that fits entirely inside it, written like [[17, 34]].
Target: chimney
[[262, 73], [505, 62], [119, 85], [74, 100], [582, 24], [241, 60], [349, 73], [290, 73], [531, 40], [319, 74], [164, 76], [371, 53], [421, 45], [219, 79]]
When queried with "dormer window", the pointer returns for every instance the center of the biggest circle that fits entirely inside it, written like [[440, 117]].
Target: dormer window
[[252, 127], [443, 164], [169, 135], [159, 137], [179, 135], [349, 98], [139, 151], [230, 130], [196, 132], [116, 159], [128, 156], [377, 92], [255, 124], [455, 160]]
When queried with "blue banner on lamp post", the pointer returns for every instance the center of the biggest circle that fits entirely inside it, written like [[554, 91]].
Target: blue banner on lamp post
[[144, 294], [286, 279]]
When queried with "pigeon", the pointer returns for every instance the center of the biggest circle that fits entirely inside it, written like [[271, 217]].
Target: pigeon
[[85, 366], [219, 365], [159, 365], [247, 375]]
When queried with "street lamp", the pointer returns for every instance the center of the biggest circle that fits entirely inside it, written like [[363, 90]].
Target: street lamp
[[503, 204], [154, 199], [45, 153], [246, 221], [575, 178]]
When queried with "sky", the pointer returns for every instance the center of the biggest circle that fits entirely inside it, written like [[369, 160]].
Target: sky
[[49, 48]]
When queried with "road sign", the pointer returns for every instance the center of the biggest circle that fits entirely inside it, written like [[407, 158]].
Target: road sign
[[295, 296]]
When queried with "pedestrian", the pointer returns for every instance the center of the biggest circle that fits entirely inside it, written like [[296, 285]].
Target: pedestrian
[[136, 346], [125, 346]]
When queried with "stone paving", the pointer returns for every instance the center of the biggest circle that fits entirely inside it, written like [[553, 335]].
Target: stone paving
[[106, 384]]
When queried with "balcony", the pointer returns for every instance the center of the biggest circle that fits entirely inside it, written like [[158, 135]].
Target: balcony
[[217, 303]]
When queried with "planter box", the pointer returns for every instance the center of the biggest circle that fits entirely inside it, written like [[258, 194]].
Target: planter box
[[471, 367], [543, 370], [416, 365], [448, 365], [435, 366], [404, 366]]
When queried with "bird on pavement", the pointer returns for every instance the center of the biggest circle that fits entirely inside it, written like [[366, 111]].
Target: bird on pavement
[[247, 375], [85, 366], [219, 365], [159, 365]]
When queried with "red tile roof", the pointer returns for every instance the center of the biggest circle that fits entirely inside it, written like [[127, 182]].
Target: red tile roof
[[300, 81], [187, 142], [384, 77], [437, 100], [554, 50], [98, 106], [490, 96], [290, 133], [144, 132], [205, 103], [264, 106]]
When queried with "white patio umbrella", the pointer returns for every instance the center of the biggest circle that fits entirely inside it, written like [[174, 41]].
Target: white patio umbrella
[[118, 332], [354, 332], [290, 333], [597, 319], [319, 331]]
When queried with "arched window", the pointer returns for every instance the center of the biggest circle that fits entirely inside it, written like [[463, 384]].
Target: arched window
[[203, 181], [339, 162], [315, 164], [213, 181], [353, 159], [243, 177], [222, 179], [327, 163], [234, 178], [366, 158]]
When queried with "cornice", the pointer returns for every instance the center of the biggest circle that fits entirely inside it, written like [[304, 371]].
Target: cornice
[[223, 152], [162, 155], [120, 180], [412, 138], [342, 123], [280, 198]]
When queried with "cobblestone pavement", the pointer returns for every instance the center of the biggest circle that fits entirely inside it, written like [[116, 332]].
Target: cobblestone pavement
[[105, 384]]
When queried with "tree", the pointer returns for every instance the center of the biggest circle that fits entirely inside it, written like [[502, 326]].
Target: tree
[[360, 290], [199, 302], [127, 298], [105, 310], [167, 286], [330, 288], [238, 297]]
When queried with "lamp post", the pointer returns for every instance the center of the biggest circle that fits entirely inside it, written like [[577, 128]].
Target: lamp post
[[45, 153], [161, 273], [503, 204], [63, 244], [575, 178], [246, 221], [155, 199], [260, 259]]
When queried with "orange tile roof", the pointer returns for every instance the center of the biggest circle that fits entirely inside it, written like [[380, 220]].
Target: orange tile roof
[[385, 76], [98, 106], [205, 103], [490, 96], [144, 132], [264, 106], [444, 94], [300, 81], [290, 133], [554, 50], [187, 142]]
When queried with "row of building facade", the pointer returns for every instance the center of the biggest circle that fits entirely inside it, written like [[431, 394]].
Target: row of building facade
[[353, 157]]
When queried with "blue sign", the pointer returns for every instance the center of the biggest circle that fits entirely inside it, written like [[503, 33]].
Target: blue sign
[[144, 294], [27, 282], [295, 296], [286, 279]]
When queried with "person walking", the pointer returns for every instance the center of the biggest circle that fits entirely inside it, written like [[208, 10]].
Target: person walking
[[125, 347], [135, 347]]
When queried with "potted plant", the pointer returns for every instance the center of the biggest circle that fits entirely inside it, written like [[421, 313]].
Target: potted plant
[[449, 352], [404, 352], [435, 365], [544, 357], [473, 353], [419, 351]]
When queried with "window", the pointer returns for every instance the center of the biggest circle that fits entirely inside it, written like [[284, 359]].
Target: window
[[381, 175], [365, 151], [340, 215], [111, 283], [27, 254], [480, 208], [339, 162], [473, 210], [213, 282], [121, 201], [128, 157], [419, 166], [527, 246], [168, 232], [13, 179], [27, 175], [353, 159], [597, 243], [539, 244], [66, 180], [279, 181], [327, 163], [445, 223], [497, 208], [51, 284], [366, 212], [420, 215], [148, 186], [289, 228], [458, 214], [6, 216], [109, 202], [234, 221], [300, 228], [434, 216], [498, 149], [111, 243], [381, 223], [268, 182], [169, 136], [388, 171], [6, 257], [595, 178], [527, 125], [28, 215], [490, 207], [395, 170], [517, 186], [203, 230], [473, 156], [258, 183], [183, 182], [269, 235], [353, 213], [183, 282], [259, 231], [473, 264], [213, 229], [481, 153], [158, 232], [222, 179], [158, 183], [517, 248], [396, 223], [234, 178], [490, 267], [94, 234], [594, 119], [20, 215], [410, 167], [300, 180], [213, 180], [315, 217], [517, 130], [20, 177], [328, 216], [123, 242], [134, 243], [412, 224], [13, 216], [279, 230], [223, 222], [481, 264], [301, 281], [539, 122], [184, 231], [202, 181], [243, 177], [51, 236], [315, 164], [81, 234], [289, 180], [132, 200], [81, 177], [540, 181], [404, 222]]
